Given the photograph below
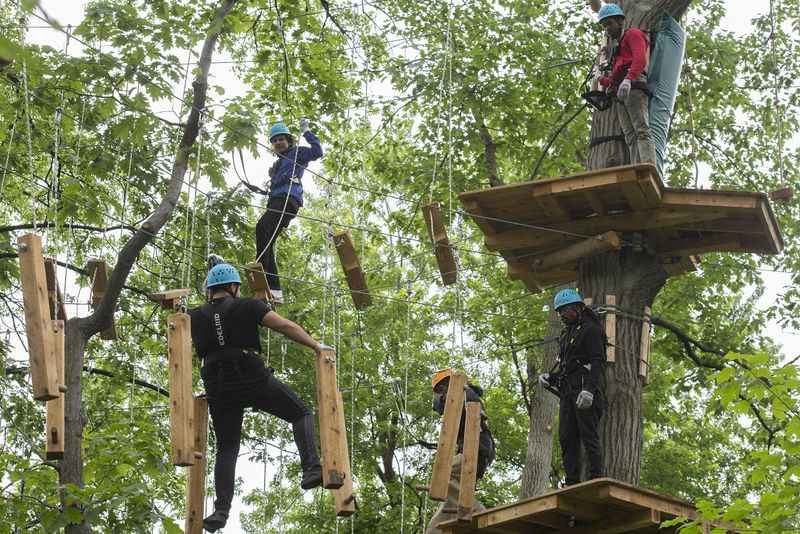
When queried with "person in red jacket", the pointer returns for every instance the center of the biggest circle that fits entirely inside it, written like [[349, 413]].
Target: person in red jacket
[[628, 79]]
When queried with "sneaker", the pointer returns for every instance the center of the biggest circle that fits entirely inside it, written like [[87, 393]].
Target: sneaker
[[311, 478], [277, 296], [215, 521]]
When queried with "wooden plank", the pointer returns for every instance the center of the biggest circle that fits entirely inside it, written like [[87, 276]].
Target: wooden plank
[[445, 259], [480, 217], [584, 183], [451, 420], [677, 265], [611, 329], [55, 408], [704, 198], [98, 271], [644, 348], [631, 496], [581, 509], [651, 185], [54, 296], [597, 204], [196, 481], [257, 280], [344, 498], [37, 318], [550, 205], [773, 238], [499, 516], [331, 427], [620, 523], [351, 265], [629, 185], [469, 463], [699, 245], [181, 401], [171, 298], [593, 246]]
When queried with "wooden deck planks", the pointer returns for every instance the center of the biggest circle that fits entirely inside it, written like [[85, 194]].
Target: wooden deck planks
[[544, 218]]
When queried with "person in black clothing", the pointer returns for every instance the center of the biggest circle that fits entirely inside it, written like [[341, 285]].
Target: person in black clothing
[[486, 448], [577, 381], [225, 334]]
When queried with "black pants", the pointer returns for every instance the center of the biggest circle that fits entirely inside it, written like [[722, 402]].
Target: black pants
[[231, 387], [279, 214], [576, 427]]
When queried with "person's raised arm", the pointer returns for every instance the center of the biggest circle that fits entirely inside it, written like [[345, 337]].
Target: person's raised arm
[[291, 330], [314, 151]]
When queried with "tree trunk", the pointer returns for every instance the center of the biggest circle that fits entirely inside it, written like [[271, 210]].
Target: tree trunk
[[80, 330], [539, 457]]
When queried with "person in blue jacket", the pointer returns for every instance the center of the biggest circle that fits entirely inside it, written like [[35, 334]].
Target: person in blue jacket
[[285, 194]]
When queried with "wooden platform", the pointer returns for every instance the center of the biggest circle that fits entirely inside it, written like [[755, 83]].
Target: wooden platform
[[602, 506], [532, 223]]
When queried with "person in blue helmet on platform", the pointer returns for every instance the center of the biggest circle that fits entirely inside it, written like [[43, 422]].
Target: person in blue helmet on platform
[[285, 194], [225, 335], [577, 380]]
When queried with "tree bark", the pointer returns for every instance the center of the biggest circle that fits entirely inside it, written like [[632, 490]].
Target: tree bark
[[80, 330], [539, 457]]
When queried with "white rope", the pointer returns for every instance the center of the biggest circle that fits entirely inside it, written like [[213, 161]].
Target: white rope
[[196, 177]]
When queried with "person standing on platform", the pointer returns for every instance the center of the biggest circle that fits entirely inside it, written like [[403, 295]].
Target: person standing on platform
[[577, 380], [285, 195], [225, 335], [628, 80], [486, 449]]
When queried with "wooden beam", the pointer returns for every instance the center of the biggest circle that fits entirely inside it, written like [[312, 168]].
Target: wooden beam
[[441, 244], [181, 404], [344, 499], [469, 463], [550, 205], [55, 408], [451, 420], [37, 318], [774, 239], [351, 265], [171, 298], [644, 348], [581, 509], [480, 217], [98, 271], [583, 249], [332, 433], [257, 280], [704, 198], [597, 204], [699, 245], [678, 265], [620, 523], [631, 496], [196, 481], [611, 329], [496, 517]]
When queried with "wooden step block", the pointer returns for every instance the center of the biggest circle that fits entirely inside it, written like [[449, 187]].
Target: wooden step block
[[54, 295], [54, 423], [181, 401], [196, 481], [98, 272], [352, 269], [469, 463], [442, 466], [445, 258], [37, 318], [171, 298], [332, 433], [257, 279], [344, 499]]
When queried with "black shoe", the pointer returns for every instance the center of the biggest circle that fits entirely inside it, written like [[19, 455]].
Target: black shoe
[[215, 521], [311, 478]]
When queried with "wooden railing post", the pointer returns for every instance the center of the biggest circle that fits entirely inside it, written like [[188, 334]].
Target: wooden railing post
[[181, 406], [55, 408], [196, 481]]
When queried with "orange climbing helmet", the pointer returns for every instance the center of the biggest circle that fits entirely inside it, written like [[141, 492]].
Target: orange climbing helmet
[[440, 375]]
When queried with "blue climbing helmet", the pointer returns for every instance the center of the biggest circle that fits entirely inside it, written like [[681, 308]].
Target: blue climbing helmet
[[222, 274], [278, 128], [609, 10], [566, 296]]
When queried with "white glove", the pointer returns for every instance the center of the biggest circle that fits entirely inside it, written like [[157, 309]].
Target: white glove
[[303, 126], [325, 347], [544, 380], [624, 89], [585, 399]]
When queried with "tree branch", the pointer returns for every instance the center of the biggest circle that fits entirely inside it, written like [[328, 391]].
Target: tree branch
[[99, 372]]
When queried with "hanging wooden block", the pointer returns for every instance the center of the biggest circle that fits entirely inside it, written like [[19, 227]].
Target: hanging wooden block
[[98, 272], [257, 279], [352, 269], [181, 406], [196, 481], [445, 258], [332, 433], [644, 354], [451, 420], [171, 298], [344, 499], [54, 422], [469, 462], [54, 296], [611, 329], [37, 318]]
